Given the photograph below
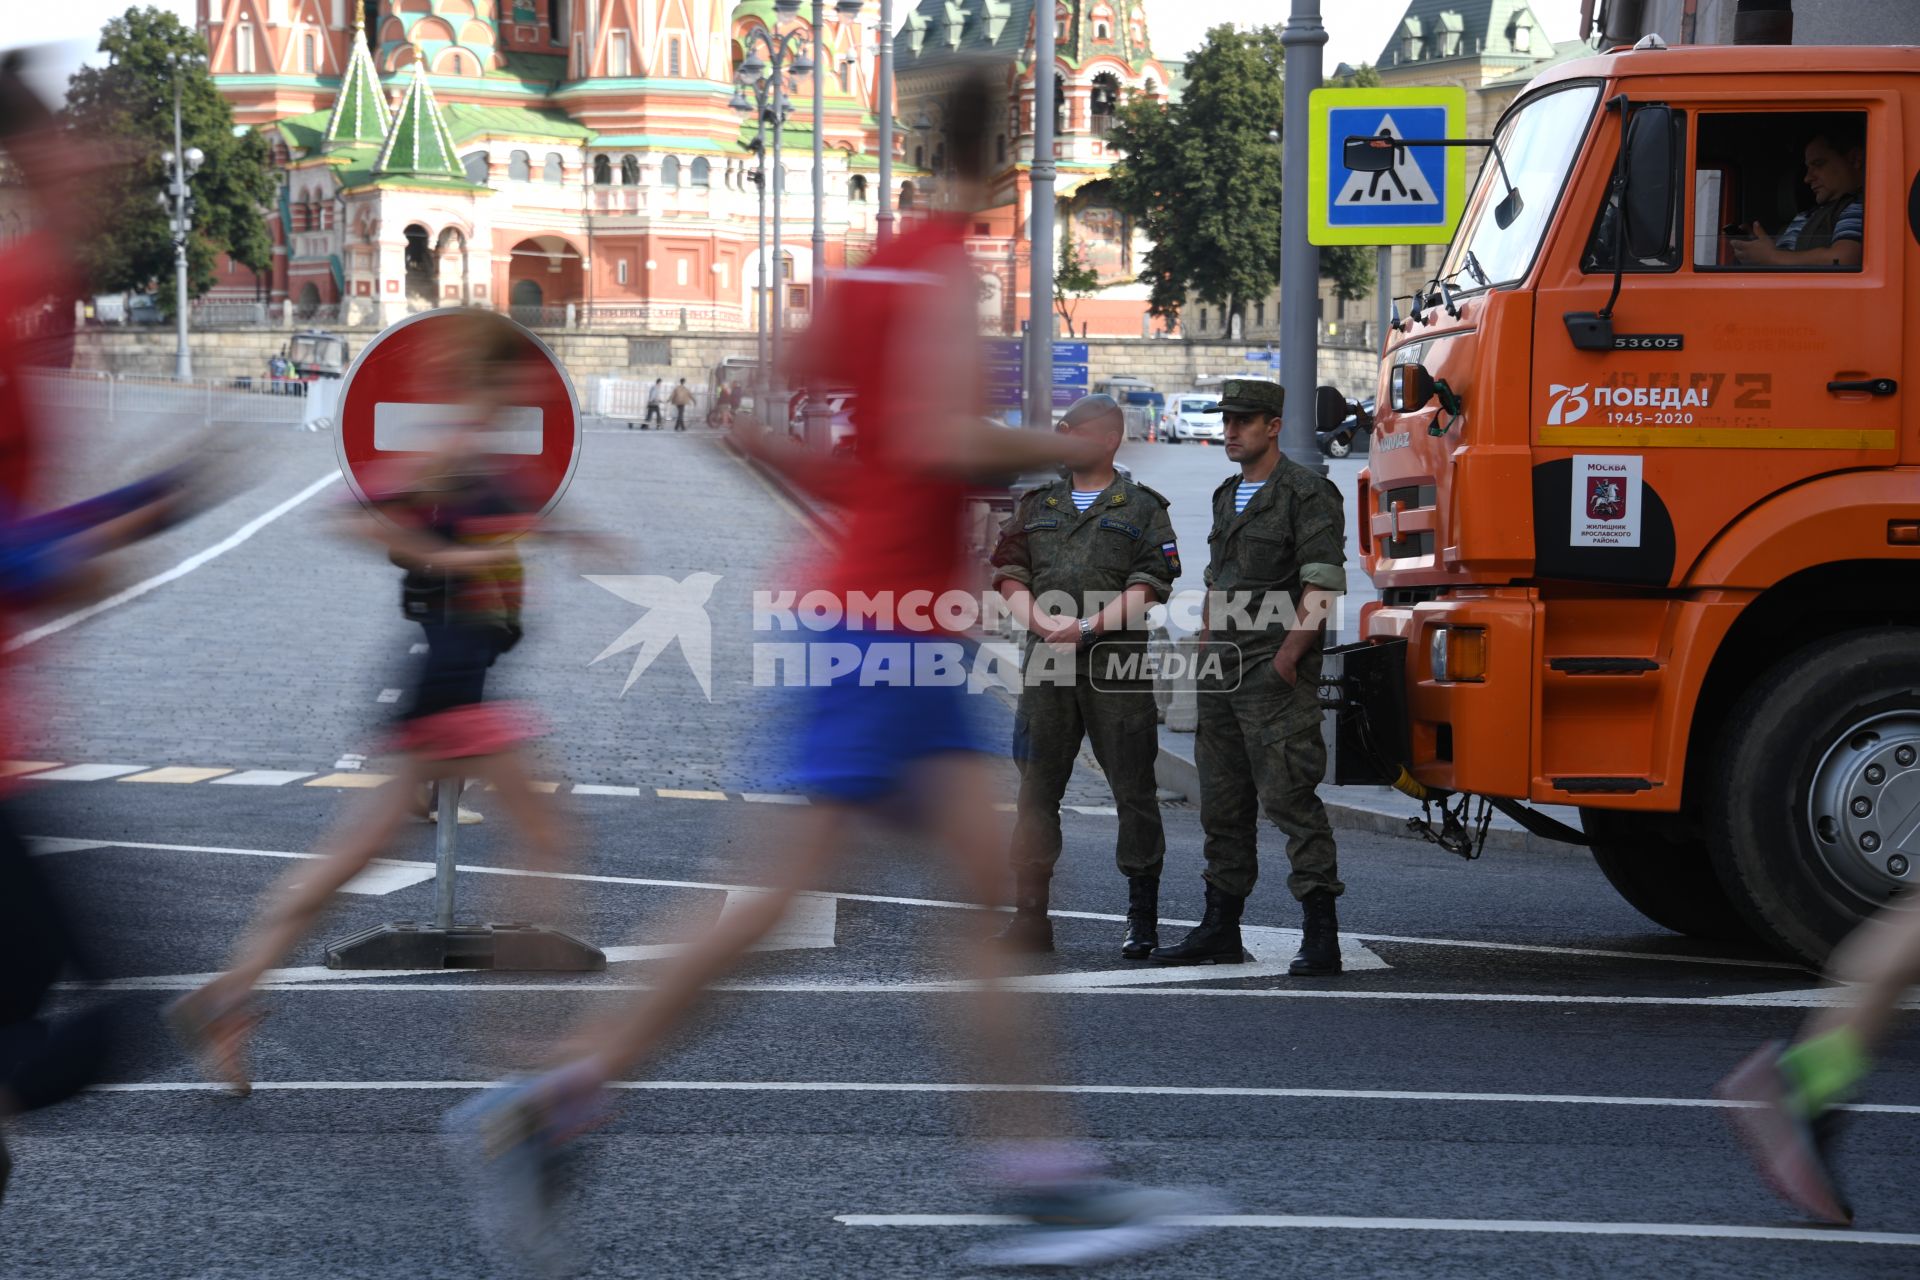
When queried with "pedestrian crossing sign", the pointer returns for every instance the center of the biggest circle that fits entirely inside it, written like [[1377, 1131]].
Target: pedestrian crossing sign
[[1416, 200]]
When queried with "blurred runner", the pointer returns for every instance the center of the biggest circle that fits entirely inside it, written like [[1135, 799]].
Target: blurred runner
[[901, 332], [448, 518], [1793, 1093], [47, 560]]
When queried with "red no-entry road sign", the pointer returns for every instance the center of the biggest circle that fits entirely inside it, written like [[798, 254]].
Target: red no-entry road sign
[[391, 409]]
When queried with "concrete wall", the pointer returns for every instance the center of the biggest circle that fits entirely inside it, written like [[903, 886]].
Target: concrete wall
[[1170, 365]]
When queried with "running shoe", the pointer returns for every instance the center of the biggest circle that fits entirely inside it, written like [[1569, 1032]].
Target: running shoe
[[1086, 1224], [505, 1141], [1789, 1148]]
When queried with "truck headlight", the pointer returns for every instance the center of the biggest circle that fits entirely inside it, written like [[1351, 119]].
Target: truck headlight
[[1458, 653]]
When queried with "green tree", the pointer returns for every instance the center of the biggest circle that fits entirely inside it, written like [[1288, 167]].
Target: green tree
[[1202, 177], [1073, 279], [128, 105]]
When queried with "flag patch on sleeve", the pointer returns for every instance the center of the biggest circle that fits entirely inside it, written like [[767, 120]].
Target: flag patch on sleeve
[[1172, 552]]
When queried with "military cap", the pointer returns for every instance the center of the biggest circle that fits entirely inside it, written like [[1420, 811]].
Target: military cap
[[1088, 408], [1251, 395]]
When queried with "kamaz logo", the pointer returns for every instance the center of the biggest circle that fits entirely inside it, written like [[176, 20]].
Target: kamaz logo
[[1569, 403]]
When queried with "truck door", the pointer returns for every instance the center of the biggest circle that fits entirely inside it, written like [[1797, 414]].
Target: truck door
[[1737, 370]]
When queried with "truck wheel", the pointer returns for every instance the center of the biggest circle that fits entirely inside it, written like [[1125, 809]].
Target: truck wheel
[[1817, 782], [1665, 876]]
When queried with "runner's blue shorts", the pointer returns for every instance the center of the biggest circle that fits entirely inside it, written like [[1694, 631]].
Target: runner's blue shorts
[[860, 736]]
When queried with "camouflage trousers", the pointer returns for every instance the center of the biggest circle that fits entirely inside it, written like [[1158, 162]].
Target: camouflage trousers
[[1047, 731], [1259, 747]]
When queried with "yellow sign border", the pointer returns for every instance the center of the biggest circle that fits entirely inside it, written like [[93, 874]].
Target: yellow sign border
[[1843, 438], [1324, 153]]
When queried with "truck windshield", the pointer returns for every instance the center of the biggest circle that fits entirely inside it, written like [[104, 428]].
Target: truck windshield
[[1539, 142]]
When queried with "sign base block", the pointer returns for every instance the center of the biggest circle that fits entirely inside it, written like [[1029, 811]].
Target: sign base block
[[406, 945]]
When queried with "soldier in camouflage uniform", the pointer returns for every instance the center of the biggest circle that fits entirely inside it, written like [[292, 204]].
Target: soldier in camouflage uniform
[[1092, 536], [1278, 541]]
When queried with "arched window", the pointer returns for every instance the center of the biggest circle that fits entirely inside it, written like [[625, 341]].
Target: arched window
[[243, 48], [857, 188], [1149, 89], [906, 195], [554, 169], [630, 172], [1104, 99], [519, 166], [673, 59], [602, 171], [1059, 107], [476, 167], [1061, 17], [309, 53], [702, 172], [456, 66], [618, 61]]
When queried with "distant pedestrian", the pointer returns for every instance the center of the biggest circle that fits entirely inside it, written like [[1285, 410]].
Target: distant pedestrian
[[682, 397], [654, 394]]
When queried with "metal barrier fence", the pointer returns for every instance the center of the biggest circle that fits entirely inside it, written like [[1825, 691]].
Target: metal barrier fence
[[625, 400], [243, 400]]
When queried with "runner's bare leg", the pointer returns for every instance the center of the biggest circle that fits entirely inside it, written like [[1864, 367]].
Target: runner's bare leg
[[1881, 962]]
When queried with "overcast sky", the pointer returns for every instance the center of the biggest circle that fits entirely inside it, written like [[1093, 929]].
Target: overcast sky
[[1357, 29]]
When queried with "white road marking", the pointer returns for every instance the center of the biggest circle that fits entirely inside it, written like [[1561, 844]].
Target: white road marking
[[416, 648], [1508, 1226], [161, 579], [88, 772], [1094, 810], [54, 844], [963, 1087], [772, 797], [262, 778], [595, 789], [809, 923], [1272, 951], [681, 793], [382, 880], [388, 695]]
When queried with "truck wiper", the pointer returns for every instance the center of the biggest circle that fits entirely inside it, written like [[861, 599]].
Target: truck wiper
[[1473, 267]]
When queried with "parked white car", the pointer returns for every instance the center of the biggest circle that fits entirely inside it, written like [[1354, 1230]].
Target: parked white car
[[1188, 419]]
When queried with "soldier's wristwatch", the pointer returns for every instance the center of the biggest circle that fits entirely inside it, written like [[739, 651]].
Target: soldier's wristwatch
[[1086, 630]]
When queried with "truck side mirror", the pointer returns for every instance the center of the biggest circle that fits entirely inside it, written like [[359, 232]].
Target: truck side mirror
[[1368, 155], [1650, 186], [1409, 387], [1329, 408]]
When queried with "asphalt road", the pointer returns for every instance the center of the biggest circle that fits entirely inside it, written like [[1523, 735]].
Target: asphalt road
[[1511, 1081]]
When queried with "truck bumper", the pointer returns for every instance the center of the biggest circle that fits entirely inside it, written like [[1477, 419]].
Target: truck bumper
[[1473, 733]]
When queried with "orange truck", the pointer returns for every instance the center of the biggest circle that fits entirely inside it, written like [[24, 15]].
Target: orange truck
[[1643, 502]]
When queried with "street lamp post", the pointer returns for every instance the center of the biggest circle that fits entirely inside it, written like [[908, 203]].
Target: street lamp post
[[1299, 260], [758, 105], [184, 163], [885, 96], [786, 55], [1040, 230]]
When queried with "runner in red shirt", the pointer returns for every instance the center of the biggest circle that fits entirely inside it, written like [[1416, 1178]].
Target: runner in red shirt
[[901, 330]]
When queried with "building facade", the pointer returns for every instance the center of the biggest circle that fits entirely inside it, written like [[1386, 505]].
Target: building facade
[[584, 156]]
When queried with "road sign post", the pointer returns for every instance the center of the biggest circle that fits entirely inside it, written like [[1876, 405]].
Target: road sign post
[[388, 415]]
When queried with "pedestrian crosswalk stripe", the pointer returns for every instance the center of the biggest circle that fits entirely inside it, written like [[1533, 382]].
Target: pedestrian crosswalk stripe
[[763, 797], [262, 777], [670, 793], [88, 772], [13, 768], [354, 779], [596, 789], [176, 773]]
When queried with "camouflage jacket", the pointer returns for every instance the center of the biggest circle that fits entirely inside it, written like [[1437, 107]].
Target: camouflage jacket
[[1124, 538], [1290, 537]]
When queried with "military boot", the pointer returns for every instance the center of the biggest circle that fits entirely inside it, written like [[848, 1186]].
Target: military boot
[[1143, 917], [1319, 938], [1215, 940], [1030, 929]]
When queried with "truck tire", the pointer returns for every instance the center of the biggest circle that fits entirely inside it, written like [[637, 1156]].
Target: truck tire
[[1818, 765], [1663, 874]]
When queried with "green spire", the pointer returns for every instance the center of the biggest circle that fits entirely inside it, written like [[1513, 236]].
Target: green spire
[[360, 111], [419, 142]]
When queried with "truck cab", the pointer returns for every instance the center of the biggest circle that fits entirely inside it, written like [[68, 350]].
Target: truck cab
[[1643, 510]]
